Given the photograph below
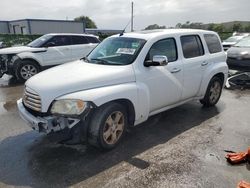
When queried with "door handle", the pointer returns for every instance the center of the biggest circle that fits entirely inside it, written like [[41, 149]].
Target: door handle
[[204, 63], [175, 70]]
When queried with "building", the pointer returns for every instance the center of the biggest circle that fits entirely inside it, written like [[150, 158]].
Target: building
[[103, 31], [4, 27], [40, 27]]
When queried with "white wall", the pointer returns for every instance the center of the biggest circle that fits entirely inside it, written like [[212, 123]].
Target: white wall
[[44, 27], [4, 27]]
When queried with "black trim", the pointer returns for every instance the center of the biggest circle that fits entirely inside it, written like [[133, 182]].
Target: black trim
[[41, 51]]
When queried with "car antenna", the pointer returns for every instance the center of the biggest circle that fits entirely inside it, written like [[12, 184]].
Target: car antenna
[[123, 31]]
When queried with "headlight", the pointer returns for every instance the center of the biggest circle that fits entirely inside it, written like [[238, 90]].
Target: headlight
[[68, 107]]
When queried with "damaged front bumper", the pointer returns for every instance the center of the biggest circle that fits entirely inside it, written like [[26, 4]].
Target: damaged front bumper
[[48, 124], [3, 68]]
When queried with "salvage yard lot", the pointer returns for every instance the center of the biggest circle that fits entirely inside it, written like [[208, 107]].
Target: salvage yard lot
[[182, 147]]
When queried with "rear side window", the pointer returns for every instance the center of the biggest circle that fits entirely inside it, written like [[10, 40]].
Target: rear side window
[[192, 46], [92, 39], [166, 47], [79, 40], [213, 43]]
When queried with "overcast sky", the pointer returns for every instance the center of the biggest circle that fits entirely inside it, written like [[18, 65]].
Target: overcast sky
[[115, 14]]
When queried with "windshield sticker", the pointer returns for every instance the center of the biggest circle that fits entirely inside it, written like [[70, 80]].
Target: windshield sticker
[[129, 51], [135, 45]]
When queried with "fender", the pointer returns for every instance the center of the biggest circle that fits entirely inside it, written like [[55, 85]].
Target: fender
[[214, 68], [100, 96], [31, 55]]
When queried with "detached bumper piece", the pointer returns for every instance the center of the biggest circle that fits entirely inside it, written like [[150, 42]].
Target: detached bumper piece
[[243, 184], [236, 158], [241, 80], [48, 124]]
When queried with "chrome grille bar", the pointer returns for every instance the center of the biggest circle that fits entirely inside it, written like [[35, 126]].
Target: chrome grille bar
[[32, 100]]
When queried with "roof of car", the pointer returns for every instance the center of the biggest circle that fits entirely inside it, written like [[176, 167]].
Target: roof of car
[[75, 34], [147, 34]]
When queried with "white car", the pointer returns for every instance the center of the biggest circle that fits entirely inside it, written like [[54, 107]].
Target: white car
[[231, 41], [126, 79], [44, 52]]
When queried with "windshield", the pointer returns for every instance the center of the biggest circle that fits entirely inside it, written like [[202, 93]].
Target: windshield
[[116, 51], [233, 39], [244, 42], [39, 41]]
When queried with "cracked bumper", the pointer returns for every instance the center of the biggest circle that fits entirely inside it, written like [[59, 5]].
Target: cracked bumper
[[47, 124]]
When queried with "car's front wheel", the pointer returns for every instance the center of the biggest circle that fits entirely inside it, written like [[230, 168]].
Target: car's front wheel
[[26, 69], [213, 92], [108, 126]]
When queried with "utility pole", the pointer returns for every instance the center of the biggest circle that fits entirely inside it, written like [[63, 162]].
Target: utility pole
[[132, 16]]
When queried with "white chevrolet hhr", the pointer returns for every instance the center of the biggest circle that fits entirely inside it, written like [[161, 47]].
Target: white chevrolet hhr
[[126, 79]]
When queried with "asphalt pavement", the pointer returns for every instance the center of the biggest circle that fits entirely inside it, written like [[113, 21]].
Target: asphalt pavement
[[182, 147]]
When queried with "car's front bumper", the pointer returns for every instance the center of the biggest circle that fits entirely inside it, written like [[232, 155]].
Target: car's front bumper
[[46, 124]]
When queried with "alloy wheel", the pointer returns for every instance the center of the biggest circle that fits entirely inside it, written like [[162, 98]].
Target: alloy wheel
[[28, 71], [114, 127]]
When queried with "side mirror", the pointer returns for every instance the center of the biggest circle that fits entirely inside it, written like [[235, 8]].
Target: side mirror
[[50, 44], [158, 60]]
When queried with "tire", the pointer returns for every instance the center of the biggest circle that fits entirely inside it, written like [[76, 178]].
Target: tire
[[213, 92], [107, 126], [26, 69]]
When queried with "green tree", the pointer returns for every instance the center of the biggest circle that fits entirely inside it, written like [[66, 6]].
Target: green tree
[[247, 28], [155, 26], [89, 23], [219, 28], [211, 26], [237, 27], [179, 25]]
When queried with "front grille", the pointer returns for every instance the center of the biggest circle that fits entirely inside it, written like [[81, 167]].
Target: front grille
[[32, 100]]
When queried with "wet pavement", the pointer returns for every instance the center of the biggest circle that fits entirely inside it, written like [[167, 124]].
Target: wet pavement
[[182, 147]]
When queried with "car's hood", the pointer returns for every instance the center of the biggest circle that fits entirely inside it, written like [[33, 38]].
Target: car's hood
[[19, 49], [77, 76], [238, 51], [228, 43]]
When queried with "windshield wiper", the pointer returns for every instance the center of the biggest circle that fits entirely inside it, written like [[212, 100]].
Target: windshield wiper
[[101, 61]]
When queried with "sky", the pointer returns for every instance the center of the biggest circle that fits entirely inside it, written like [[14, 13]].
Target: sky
[[115, 14]]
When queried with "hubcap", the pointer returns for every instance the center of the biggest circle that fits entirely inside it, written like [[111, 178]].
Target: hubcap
[[215, 92], [28, 71], [113, 128]]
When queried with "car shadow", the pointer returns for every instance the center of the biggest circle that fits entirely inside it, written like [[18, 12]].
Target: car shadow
[[29, 159]]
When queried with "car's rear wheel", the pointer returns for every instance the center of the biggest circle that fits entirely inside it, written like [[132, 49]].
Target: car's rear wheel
[[26, 70], [213, 92], [108, 126]]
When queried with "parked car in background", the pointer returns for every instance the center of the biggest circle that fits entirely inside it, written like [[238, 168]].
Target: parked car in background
[[44, 52], [233, 40], [126, 79], [238, 56], [1, 44]]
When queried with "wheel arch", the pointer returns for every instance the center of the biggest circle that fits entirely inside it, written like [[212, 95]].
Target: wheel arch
[[32, 60], [129, 109], [220, 70]]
